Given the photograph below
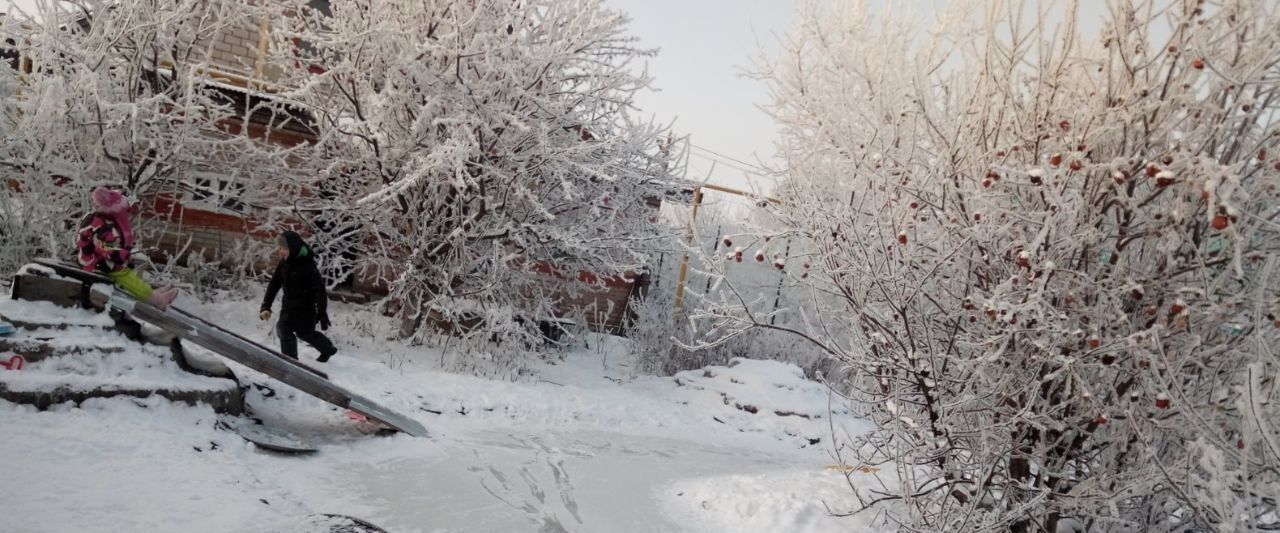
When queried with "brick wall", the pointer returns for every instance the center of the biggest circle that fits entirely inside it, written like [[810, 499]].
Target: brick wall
[[603, 307], [233, 46], [236, 47], [602, 302]]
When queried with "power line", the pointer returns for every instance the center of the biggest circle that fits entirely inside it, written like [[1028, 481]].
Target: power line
[[752, 171], [730, 158]]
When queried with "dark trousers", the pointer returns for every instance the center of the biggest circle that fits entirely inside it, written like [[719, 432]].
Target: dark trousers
[[291, 330]]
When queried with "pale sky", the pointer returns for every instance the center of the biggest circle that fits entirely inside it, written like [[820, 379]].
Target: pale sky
[[703, 45]]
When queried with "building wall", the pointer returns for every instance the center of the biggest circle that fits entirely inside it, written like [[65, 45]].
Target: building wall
[[601, 302], [233, 47], [236, 46]]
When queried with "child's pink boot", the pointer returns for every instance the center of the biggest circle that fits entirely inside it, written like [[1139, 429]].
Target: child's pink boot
[[161, 298]]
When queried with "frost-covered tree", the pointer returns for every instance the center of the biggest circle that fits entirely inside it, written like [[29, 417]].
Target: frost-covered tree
[[1049, 256], [473, 148], [114, 93]]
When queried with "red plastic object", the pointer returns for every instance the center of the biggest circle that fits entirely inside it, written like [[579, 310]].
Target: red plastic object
[[14, 363]]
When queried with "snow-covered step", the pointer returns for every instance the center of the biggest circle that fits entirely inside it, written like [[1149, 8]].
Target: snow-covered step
[[71, 355], [44, 315], [37, 348], [138, 372], [51, 339]]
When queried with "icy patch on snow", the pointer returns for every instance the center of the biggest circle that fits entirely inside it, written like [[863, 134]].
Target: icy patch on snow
[[775, 501]]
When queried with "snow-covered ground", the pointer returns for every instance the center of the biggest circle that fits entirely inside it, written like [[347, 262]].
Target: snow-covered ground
[[584, 446]]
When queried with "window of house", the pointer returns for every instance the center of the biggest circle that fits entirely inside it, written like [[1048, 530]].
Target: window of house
[[214, 191]]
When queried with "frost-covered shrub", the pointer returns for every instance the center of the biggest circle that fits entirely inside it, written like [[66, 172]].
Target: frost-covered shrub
[[101, 97], [476, 151], [1049, 257]]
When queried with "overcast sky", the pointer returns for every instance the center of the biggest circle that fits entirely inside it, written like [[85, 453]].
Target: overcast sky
[[703, 45]]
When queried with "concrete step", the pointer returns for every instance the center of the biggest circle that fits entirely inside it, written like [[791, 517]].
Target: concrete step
[[222, 401], [38, 348], [81, 362], [44, 315], [71, 354], [89, 372]]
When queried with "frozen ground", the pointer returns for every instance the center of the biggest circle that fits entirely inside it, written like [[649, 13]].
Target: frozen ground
[[583, 447]]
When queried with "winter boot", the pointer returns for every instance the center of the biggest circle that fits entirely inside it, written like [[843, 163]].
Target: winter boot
[[161, 298]]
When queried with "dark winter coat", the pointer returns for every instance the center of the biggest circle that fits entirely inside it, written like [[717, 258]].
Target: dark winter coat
[[304, 300]]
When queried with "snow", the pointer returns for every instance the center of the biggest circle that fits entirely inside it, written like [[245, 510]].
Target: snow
[[87, 356], [47, 313], [771, 501], [582, 446], [132, 370]]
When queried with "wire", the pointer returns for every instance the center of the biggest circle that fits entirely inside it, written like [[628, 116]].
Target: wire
[[735, 160], [731, 165]]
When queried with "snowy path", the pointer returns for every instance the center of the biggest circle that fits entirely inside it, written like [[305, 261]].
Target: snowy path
[[120, 465], [555, 482], [585, 449]]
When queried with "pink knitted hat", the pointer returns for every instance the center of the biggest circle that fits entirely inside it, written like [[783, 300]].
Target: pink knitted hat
[[109, 202]]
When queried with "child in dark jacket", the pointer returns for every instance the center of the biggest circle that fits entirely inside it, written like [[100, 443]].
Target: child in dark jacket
[[304, 303], [105, 243]]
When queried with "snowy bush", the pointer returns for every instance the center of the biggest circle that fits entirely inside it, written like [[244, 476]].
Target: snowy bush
[[722, 262], [479, 148], [1050, 257]]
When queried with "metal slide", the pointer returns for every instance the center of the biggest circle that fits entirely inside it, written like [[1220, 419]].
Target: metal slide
[[253, 355]]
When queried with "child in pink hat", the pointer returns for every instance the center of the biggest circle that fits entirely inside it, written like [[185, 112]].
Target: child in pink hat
[[105, 243]]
